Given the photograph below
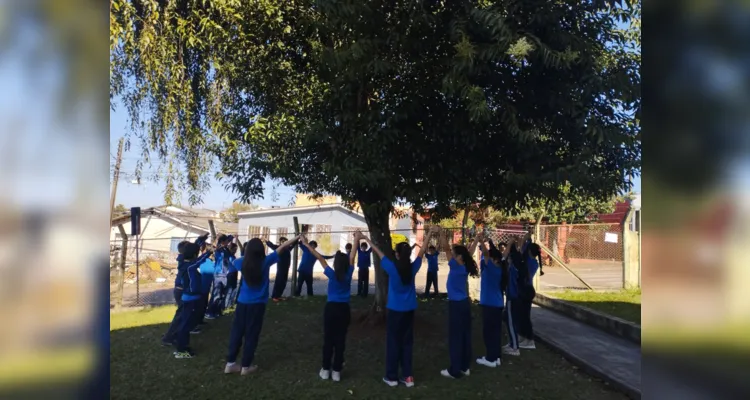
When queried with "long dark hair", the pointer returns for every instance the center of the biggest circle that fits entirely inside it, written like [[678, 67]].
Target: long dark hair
[[403, 262], [469, 263], [252, 264], [536, 252], [340, 265]]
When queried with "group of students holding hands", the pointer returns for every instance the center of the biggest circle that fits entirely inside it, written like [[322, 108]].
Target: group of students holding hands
[[506, 293]]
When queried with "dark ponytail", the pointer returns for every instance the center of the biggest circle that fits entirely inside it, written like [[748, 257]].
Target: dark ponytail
[[536, 252], [252, 264], [340, 265], [469, 262], [403, 262]]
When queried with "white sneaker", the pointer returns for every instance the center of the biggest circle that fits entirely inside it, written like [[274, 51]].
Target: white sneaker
[[466, 373], [336, 376], [324, 374], [408, 381], [446, 374], [506, 346], [390, 383], [232, 368], [527, 344], [511, 352], [483, 361]]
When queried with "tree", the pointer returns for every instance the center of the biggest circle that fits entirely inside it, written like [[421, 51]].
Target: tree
[[120, 209], [427, 103], [230, 214]]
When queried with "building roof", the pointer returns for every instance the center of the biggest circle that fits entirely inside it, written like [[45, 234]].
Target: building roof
[[188, 220], [269, 211]]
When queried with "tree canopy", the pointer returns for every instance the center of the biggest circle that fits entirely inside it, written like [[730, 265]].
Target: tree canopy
[[481, 100], [430, 103]]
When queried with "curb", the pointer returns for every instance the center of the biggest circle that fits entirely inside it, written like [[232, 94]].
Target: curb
[[593, 370], [607, 323]]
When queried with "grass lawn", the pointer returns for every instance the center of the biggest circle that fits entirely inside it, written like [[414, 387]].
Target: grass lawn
[[625, 304], [289, 355]]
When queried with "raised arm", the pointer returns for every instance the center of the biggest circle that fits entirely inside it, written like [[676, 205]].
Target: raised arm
[[473, 245], [445, 245], [485, 252], [201, 239], [374, 248], [271, 245], [353, 253], [426, 241], [312, 251], [288, 244]]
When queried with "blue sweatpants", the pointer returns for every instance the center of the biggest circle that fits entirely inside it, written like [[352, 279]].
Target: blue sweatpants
[[459, 336], [185, 323], [399, 344], [248, 321], [171, 334], [492, 331], [510, 316]]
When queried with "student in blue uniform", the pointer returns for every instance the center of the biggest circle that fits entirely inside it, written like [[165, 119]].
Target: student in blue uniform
[[282, 270], [432, 270], [207, 281], [512, 306], [222, 261], [461, 265], [232, 273], [348, 248], [305, 270], [363, 266], [190, 276], [170, 337], [532, 259], [251, 305], [337, 314], [402, 301], [491, 302]]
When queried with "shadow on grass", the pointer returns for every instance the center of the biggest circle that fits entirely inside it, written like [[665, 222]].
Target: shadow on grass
[[289, 357]]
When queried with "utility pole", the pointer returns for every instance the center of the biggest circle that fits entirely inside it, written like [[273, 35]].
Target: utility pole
[[114, 181]]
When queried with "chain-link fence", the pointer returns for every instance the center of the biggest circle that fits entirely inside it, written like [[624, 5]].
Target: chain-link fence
[[594, 252]]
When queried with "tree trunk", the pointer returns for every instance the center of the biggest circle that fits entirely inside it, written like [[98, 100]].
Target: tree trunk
[[376, 216]]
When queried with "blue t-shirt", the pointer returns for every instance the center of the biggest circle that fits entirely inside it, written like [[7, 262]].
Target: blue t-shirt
[[207, 275], [400, 297], [432, 262], [457, 279], [259, 294], [533, 266], [339, 291], [490, 294], [236, 265], [308, 261], [363, 258], [191, 277]]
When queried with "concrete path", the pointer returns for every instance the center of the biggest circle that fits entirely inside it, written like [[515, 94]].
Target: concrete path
[[598, 353]]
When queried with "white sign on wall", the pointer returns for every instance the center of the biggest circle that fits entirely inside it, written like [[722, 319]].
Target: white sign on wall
[[610, 237]]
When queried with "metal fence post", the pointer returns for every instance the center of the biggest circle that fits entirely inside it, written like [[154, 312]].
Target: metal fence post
[[625, 248]]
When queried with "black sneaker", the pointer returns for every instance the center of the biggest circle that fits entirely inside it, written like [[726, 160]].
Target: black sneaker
[[196, 331]]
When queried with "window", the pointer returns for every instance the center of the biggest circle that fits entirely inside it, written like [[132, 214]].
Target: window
[[174, 243], [322, 229], [349, 232], [262, 232], [282, 232]]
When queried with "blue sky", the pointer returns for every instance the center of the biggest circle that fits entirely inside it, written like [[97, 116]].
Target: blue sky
[[149, 193]]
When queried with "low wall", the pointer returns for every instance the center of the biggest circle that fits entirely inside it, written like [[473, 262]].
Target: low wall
[[612, 325]]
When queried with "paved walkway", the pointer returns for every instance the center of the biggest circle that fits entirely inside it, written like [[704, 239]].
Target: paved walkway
[[597, 352]]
